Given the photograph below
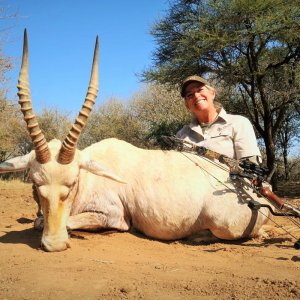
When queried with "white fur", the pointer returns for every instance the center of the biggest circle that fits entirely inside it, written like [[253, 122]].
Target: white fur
[[166, 195]]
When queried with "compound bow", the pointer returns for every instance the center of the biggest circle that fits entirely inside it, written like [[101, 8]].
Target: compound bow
[[241, 170]]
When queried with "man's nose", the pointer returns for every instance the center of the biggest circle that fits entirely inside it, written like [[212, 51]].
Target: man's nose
[[196, 93]]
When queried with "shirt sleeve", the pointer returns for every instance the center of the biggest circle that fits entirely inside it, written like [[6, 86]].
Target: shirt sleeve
[[245, 143], [183, 132]]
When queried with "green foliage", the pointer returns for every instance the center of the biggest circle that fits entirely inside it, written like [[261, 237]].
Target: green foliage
[[218, 37], [155, 110], [249, 48], [161, 111], [289, 171]]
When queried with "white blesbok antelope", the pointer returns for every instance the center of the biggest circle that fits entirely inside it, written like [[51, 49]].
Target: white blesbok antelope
[[166, 195]]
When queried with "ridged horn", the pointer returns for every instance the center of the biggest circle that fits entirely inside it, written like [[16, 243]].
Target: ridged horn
[[67, 151], [40, 144]]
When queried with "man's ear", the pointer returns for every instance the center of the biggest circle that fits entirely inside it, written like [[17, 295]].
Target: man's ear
[[186, 105]]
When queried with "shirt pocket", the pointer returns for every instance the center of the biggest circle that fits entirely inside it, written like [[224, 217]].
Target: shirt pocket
[[226, 133], [221, 141]]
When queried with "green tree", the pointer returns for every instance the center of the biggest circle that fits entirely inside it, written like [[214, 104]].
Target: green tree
[[160, 111], [250, 47], [289, 136], [153, 111]]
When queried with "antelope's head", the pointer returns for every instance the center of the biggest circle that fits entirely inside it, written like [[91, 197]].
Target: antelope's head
[[55, 166]]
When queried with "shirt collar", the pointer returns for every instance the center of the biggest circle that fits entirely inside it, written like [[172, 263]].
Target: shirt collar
[[222, 115], [195, 126]]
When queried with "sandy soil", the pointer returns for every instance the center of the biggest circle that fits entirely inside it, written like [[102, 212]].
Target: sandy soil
[[129, 266]]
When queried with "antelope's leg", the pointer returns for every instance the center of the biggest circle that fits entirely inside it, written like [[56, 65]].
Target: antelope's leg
[[95, 221]]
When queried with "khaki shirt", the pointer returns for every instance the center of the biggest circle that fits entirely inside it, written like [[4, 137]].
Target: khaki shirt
[[231, 135]]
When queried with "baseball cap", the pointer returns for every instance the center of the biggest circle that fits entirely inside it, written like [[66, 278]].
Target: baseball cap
[[188, 80]]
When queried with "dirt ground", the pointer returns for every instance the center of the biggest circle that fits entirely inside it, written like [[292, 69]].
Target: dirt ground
[[130, 266]]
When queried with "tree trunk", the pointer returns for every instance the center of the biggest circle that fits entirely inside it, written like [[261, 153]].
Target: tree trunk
[[271, 160], [286, 166]]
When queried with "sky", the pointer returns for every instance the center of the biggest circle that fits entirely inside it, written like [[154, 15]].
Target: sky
[[61, 39]]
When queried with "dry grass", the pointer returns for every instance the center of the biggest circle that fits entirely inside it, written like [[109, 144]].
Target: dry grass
[[289, 189], [13, 184]]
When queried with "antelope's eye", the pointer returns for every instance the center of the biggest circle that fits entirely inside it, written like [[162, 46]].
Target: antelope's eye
[[70, 185], [37, 184]]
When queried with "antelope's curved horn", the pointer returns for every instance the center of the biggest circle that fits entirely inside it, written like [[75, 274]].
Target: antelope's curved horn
[[67, 151], [40, 144]]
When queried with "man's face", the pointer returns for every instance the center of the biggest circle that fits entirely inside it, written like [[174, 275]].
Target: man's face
[[199, 97]]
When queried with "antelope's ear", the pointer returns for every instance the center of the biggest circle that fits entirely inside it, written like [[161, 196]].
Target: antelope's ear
[[17, 164], [99, 169]]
